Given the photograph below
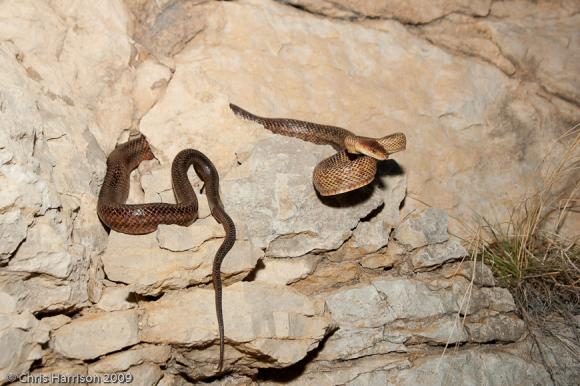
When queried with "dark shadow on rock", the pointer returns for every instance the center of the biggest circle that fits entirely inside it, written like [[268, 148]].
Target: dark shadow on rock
[[352, 198], [252, 275], [294, 371], [384, 169], [387, 168]]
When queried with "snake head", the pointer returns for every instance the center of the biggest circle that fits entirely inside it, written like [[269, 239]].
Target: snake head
[[367, 146], [141, 149]]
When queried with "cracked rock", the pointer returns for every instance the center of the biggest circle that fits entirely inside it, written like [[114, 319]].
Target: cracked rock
[[437, 254], [283, 326], [78, 339], [423, 228]]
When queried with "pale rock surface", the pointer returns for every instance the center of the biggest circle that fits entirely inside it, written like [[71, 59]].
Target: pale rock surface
[[466, 367], [178, 238], [368, 239], [222, 67], [283, 325], [476, 272], [434, 255], [123, 361], [329, 276], [146, 374], [392, 314], [21, 337], [393, 254], [281, 209], [115, 299], [43, 251], [140, 262], [141, 364], [472, 367], [414, 11], [389, 299], [492, 326], [54, 322], [286, 271], [443, 330], [370, 236], [423, 228], [151, 78], [462, 33], [538, 40], [165, 27], [342, 372], [54, 69], [78, 76], [93, 335]]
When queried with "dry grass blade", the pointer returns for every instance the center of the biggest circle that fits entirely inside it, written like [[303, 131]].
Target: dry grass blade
[[528, 254], [530, 257]]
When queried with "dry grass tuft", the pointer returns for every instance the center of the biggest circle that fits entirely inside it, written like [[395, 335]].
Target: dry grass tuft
[[540, 267], [527, 254]]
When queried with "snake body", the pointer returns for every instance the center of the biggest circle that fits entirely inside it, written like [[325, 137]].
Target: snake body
[[144, 218], [355, 163]]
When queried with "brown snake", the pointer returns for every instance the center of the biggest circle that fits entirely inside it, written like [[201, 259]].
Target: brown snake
[[355, 163], [139, 219]]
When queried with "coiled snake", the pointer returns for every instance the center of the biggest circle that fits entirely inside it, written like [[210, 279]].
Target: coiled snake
[[355, 163], [144, 218]]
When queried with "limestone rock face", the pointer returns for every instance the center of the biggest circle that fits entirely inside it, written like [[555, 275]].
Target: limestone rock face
[[415, 11], [82, 338], [419, 230], [140, 262], [361, 289], [282, 211], [260, 320], [540, 41], [21, 335], [470, 366]]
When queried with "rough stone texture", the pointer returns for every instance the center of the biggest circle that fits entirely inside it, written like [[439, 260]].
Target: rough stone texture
[[491, 326], [21, 335], [115, 298], [141, 363], [390, 299], [438, 254], [261, 320], [84, 337], [480, 89], [415, 11], [51, 164], [178, 239], [423, 228], [122, 361], [388, 89], [476, 272], [472, 367], [140, 262], [393, 254], [540, 41], [554, 344], [286, 271]]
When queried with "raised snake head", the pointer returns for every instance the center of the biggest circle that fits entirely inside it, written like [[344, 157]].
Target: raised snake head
[[367, 146]]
